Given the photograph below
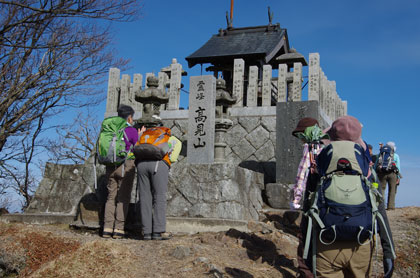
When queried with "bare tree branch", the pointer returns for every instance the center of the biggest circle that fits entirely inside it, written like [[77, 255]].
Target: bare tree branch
[[75, 142], [53, 54]]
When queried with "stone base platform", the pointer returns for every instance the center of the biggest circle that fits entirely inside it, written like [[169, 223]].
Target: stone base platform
[[174, 224]]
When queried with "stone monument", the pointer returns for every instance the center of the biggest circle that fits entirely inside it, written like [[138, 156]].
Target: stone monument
[[201, 119], [237, 149], [289, 148]]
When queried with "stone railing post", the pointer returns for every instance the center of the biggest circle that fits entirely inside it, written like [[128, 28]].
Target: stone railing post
[[344, 107], [266, 85], [324, 92], [163, 79], [282, 84], [314, 77], [125, 90], [113, 92], [297, 82], [175, 85], [137, 86], [238, 81], [251, 97]]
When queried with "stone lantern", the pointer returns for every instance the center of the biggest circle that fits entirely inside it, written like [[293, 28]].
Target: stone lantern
[[152, 98], [223, 101]]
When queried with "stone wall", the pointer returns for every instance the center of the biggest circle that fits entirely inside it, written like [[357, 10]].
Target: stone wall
[[63, 186], [220, 190], [250, 142]]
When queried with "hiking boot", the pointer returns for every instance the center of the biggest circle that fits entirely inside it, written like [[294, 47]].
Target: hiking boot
[[160, 236], [107, 233], [147, 237], [117, 235]]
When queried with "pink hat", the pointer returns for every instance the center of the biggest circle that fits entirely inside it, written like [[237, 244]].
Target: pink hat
[[347, 128]]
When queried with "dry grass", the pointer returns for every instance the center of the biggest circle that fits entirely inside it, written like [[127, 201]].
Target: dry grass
[[56, 251]]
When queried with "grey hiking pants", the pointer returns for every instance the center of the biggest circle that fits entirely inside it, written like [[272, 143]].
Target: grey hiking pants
[[391, 179], [119, 194], [152, 195]]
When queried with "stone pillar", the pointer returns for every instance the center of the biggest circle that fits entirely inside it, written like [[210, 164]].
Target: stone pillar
[[201, 119], [137, 86], [324, 92], [163, 79], [328, 97], [297, 82], [321, 89], [337, 100], [125, 90], [288, 147], [339, 107], [266, 85], [314, 77], [251, 98], [344, 107], [175, 85], [333, 100], [113, 92], [238, 81], [282, 84]]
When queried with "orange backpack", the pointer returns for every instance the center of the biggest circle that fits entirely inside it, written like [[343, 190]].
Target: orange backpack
[[153, 145]]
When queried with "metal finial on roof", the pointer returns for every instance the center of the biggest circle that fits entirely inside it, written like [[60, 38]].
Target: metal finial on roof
[[228, 21], [270, 16]]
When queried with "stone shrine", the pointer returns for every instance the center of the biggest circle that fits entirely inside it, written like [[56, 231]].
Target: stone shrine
[[238, 152]]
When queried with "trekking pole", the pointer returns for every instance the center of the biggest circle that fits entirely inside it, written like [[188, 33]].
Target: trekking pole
[[95, 177]]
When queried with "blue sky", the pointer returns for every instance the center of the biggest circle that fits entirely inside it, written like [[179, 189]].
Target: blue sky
[[370, 48]]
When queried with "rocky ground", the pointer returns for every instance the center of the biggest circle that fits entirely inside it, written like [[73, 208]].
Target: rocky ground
[[269, 250]]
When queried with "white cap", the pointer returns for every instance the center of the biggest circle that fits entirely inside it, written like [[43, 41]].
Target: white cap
[[392, 145]]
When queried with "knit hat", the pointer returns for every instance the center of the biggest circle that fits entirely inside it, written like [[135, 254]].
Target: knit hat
[[124, 111], [347, 128], [303, 124], [392, 145]]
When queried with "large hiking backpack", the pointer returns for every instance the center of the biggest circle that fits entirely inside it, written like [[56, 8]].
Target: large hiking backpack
[[344, 206], [110, 148], [343, 196], [386, 162], [153, 145]]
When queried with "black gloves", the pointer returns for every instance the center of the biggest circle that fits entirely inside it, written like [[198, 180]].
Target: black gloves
[[388, 267]]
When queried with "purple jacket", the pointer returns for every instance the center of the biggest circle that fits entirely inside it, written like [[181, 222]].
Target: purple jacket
[[132, 136]]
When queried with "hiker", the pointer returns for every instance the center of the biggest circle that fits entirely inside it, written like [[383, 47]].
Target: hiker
[[373, 157], [153, 163], [342, 237], [309, 132], [343, 257], [120, 177], [388, 169], [387, 242]]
